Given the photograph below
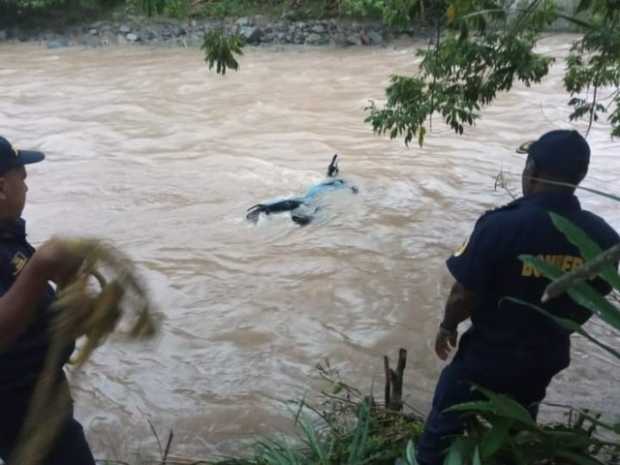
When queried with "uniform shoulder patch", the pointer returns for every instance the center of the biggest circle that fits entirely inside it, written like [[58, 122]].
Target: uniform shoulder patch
[[461, 250], [18, 262]]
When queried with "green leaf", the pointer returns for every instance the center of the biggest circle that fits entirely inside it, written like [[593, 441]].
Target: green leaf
[[476, 459], [519, 456], [496, 437], [584, 5], [567, 324], [588, 248], [582, 293], [498, 405], [456, 453], [451, 14], [524, 439], [588, 297], [410, 453], [576, 236], [508, 407], [578, 459], [481, 406], [577, 21], [596, 421], [570, 439], [421, 134]]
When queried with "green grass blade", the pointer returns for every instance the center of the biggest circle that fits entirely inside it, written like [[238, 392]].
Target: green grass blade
[[410, 453], [359, 443], [317, 449], [278, 452]]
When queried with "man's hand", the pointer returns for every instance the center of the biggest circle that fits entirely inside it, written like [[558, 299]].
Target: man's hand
[[57, 262], [445, 341], [458, 308]]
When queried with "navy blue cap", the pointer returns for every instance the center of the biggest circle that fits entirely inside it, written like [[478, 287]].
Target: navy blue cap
[[563, 152], [11, 158]]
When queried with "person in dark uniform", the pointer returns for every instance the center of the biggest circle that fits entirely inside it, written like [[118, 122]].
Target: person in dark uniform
[[510, 348], [303, 208], [25, 299]]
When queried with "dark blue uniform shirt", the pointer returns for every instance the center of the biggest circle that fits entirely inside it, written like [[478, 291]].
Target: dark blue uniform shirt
[[22, 362], [507, 340]]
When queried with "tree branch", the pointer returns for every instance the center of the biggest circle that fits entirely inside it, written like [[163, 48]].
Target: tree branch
[[592, 110]]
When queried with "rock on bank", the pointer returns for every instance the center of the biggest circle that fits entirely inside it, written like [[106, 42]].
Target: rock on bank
[[255, 30]]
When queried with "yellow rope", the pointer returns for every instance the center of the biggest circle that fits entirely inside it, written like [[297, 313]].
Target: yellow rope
[[81, 311]]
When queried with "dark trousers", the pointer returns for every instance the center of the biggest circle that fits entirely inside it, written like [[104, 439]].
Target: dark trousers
[[454, 387], [69, 447]]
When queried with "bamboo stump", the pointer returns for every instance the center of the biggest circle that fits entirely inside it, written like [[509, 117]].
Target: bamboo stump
[[394, 382]]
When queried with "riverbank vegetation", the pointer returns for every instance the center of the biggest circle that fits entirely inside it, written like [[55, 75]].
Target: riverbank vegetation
[[481, 48], [342, 425], [68, 11]]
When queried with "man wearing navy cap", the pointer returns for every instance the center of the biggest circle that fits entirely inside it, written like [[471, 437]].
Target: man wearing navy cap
[[25, 299], [512, 349]]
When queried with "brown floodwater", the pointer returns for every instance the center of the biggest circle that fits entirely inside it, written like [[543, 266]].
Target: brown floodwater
[[150, 150]]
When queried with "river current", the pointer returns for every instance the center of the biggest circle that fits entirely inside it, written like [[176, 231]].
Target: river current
[[147, 148]]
